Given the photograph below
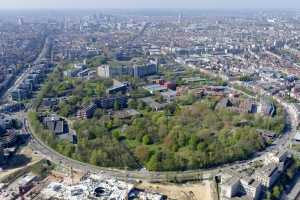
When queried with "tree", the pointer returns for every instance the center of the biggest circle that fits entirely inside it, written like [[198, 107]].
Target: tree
[[193, 141], [276, 192], [170, 109], [142, 153], [116, 133], [158, 97], [100, 89], [246, 78], [268, 196], [154, 162], [98, 113], [17, 124], [132, 104], [141, 105], [65, 109], [146, 140], [94, 157], [117, 105]]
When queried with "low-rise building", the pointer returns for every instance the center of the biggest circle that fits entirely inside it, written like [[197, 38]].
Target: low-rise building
[[266, 108], [26, 182], [224, 103], [49, 102], [169, 95], [153, 104], [155, 88], [127, 113]]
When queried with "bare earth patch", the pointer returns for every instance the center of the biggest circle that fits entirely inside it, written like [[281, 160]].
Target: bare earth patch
[[198, 191]]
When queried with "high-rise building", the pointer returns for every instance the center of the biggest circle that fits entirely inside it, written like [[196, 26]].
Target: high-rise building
[[137, 71], [109, 102], [20, 21], [179, 19], [87, 112], [144, 70]]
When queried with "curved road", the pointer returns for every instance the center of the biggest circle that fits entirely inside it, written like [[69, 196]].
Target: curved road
[[280, 144], [37, 145]]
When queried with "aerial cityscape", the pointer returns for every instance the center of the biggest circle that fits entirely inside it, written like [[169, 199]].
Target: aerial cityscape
[[149, 104]]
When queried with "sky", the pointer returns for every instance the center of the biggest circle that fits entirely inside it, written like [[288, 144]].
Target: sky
[[150, 4]]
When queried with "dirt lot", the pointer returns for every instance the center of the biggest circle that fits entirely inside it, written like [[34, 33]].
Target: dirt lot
[[25, 157], [199, 191]]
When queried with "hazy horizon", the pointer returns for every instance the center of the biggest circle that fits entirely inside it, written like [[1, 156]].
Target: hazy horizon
[[153, 4]]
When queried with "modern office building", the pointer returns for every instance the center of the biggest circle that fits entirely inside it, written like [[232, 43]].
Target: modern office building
[[87, 112], [109, 102], [123, 87], [268, 174], [107, 71], [251, 187], [144, 70], [19, 94], [137, 71], [55, 124], [230, 187], [8, 138]]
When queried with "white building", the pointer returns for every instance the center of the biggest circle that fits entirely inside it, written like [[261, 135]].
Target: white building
[[103, 71], [251, 188], [276, 157], [94, 187], [230, 188], [268, 174]]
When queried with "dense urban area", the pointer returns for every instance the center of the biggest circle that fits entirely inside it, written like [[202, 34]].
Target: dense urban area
[[150, 105]]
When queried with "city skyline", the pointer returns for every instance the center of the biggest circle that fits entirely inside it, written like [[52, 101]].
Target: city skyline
[[154, 4]]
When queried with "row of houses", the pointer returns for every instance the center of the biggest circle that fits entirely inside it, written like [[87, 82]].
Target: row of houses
[[11, 107], [7, 75], [31, 83]]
